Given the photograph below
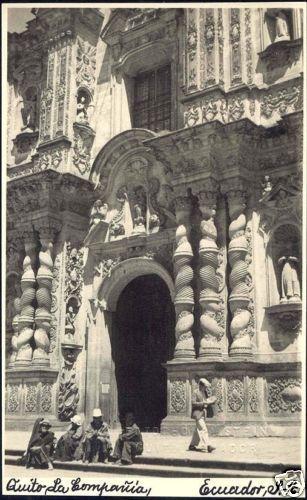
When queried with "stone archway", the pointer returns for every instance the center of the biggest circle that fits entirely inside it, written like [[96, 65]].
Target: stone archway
[[140, 294]]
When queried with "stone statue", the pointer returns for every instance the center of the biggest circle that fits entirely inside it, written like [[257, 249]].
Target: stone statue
[[290, 285], [98, 212], [82, 110], [154, 223], [138, 218], [282, 29], [28, 111], [69, 322], [266, 185]]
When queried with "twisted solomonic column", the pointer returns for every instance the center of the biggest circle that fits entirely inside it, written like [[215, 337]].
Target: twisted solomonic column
[[239, 297], [209, 284], [14, 340], [184, 296], [26, 317], [43, 296]]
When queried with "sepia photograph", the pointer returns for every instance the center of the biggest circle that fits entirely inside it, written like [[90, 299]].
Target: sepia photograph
[[154, 265]]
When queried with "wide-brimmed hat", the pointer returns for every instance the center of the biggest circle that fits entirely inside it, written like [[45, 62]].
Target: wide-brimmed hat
[[76, 419], [45, 423], [205, 382], [97, 413]]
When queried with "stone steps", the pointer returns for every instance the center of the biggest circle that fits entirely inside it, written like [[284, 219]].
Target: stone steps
[[174, 467]]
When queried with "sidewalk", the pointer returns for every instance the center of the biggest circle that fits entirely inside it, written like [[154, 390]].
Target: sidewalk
[[268, 450]]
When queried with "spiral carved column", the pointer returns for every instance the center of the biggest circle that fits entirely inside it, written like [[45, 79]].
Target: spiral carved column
[[184, 296], [26, 318], [14, 340], [209, 284], [239, 297], [43, 297]]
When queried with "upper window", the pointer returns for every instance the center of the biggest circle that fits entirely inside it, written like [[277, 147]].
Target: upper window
[[152, 100]]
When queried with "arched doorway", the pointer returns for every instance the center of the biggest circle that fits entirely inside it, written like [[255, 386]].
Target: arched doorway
[[142, 340]]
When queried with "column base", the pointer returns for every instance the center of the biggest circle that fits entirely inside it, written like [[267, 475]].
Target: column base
[[241, 353], [184, 355], [212, 353]]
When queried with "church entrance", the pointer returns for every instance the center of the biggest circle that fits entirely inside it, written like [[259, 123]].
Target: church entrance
[[143, 339]]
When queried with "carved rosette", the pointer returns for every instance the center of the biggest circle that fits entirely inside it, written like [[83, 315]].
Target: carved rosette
[[239, 299], [209, 283], [68, 390], [14, 340], [26, 318], [184, 296]]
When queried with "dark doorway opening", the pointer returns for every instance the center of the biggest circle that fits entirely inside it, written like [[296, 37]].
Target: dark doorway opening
[[143, 339]]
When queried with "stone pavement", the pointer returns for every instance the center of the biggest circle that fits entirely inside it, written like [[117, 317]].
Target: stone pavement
[[268, 450]]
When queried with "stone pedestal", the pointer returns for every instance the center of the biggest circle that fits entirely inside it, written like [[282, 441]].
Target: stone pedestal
[[253, 399], [30, 393]]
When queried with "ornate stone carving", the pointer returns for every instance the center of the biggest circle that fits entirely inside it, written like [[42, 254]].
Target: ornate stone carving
[[83, 141], [26, 318], [68, 390], [43, 296], [102, 271], [184, 298], [209, 38], [235, 41], [210, 110], [239, 298], [46, 398], [191, 116], [284, 395], [235, 108], [248, 46], [177, 396], [220, 37], [13, 405], [235, 394], [73, 286], [209, 282], [31, 395], [191, 40], [86, 64], [14, 340], [54, 303], [253, 397], [283, 102]]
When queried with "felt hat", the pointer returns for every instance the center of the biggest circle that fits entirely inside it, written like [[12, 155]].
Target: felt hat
[[45, 422], [205, 382], [76, 419], [97, 413]]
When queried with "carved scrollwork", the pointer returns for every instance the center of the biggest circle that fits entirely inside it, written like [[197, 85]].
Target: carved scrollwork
[[177, 396], [235, 394], [284, 395]]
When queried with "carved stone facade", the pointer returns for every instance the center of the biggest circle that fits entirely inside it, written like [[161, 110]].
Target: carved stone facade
[[178, 241]]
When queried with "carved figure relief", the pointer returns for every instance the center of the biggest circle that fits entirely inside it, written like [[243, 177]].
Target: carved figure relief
[[68, 390], [86, 64], [73, 287]]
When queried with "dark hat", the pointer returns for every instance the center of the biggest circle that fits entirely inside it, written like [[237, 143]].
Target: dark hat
[[45, 423]]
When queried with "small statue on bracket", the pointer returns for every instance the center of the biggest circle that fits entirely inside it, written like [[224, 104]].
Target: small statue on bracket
[[82, 110], [290, 285], [98, 212], [69, 323]]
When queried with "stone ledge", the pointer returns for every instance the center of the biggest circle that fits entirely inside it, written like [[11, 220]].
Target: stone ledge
[[28, 372]]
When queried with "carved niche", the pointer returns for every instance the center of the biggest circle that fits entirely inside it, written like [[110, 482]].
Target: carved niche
[[68, 389], [280, 216]]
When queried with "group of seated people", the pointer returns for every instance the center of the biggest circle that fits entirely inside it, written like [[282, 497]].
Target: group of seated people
[[91, 445]]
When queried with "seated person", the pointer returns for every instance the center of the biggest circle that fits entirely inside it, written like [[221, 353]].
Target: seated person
[[69, 446], [40, 448], [97, 443], [129, 442]]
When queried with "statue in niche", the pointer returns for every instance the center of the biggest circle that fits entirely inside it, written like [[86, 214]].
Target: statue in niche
[[281, 26], [138, 219], [69, 322], [98, 213], [28, 111], [154, 223], [82, 106], [266, 185], [290, 285]]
